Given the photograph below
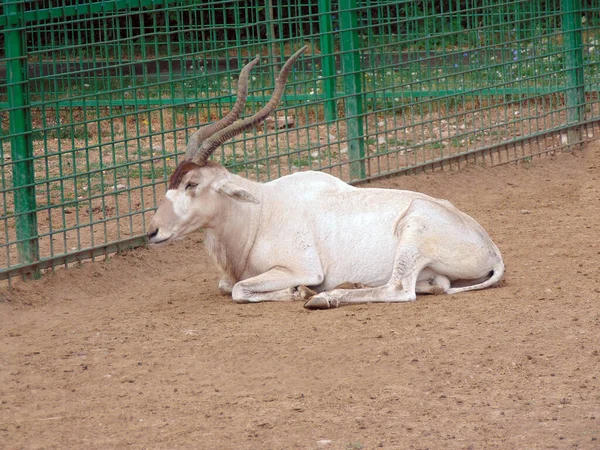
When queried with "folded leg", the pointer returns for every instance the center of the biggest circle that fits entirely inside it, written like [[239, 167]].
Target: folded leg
[[276, 284]]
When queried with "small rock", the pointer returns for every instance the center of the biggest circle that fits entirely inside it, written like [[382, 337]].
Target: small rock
[[525, 211], [279, 122], [344, 150], [324, 442], [286, 122]]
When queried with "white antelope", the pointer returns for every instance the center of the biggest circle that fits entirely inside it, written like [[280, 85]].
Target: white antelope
[[302, 235]]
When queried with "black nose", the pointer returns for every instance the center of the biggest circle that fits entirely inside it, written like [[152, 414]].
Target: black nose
[[152, 233]]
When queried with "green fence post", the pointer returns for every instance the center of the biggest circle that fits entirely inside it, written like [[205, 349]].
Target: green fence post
[[20, 130], [352, 86], [575, 92], [327, 59], [270, 16]]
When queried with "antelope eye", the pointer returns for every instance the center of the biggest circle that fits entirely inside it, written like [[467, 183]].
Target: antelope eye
[[191, 186]]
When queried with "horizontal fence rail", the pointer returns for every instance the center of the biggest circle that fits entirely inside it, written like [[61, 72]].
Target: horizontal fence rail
[[97, 99]]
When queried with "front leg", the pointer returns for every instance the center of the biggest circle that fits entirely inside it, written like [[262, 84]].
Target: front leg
[[277, 284]]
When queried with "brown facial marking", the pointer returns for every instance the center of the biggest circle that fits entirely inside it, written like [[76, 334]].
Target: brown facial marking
[[184, 167]]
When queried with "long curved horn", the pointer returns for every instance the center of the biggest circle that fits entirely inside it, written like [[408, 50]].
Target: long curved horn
[[211, 143], [196, 139]]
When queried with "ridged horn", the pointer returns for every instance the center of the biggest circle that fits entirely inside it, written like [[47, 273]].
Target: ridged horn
[[211, 143], [196, 139]]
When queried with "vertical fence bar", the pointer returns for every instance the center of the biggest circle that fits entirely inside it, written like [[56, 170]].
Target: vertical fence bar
[[327, 59], [352, 86], [20, 130], [271, 35], [575, 92]]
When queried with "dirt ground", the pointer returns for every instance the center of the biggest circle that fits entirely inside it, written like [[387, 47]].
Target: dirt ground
[[141, 351]]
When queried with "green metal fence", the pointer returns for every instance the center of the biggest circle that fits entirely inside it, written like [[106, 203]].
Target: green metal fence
[[97, 99]]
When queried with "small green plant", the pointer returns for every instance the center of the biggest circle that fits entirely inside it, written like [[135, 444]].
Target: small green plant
[[234, 163], [354, 446], [301, 161]]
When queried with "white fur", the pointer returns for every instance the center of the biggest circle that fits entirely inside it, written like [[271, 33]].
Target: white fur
[[181, 203], [312, 229]]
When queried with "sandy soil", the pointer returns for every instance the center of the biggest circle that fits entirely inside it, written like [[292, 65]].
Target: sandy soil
[[140, 350]]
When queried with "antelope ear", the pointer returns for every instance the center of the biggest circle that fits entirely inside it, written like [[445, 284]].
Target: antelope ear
[[235, 192]]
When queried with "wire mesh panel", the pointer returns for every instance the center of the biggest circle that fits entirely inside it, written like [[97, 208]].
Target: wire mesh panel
[[447, 79], [97, 99]]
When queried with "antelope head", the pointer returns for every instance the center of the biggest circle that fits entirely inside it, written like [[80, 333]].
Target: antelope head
[[197, 186]]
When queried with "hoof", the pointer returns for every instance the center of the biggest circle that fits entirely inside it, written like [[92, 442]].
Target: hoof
[[437, 290], [320, 302], [317, 303], [225, 286], [224, 291], [305, 293]]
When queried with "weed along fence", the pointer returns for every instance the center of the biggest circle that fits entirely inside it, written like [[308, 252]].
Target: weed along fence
[[97, 99]]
